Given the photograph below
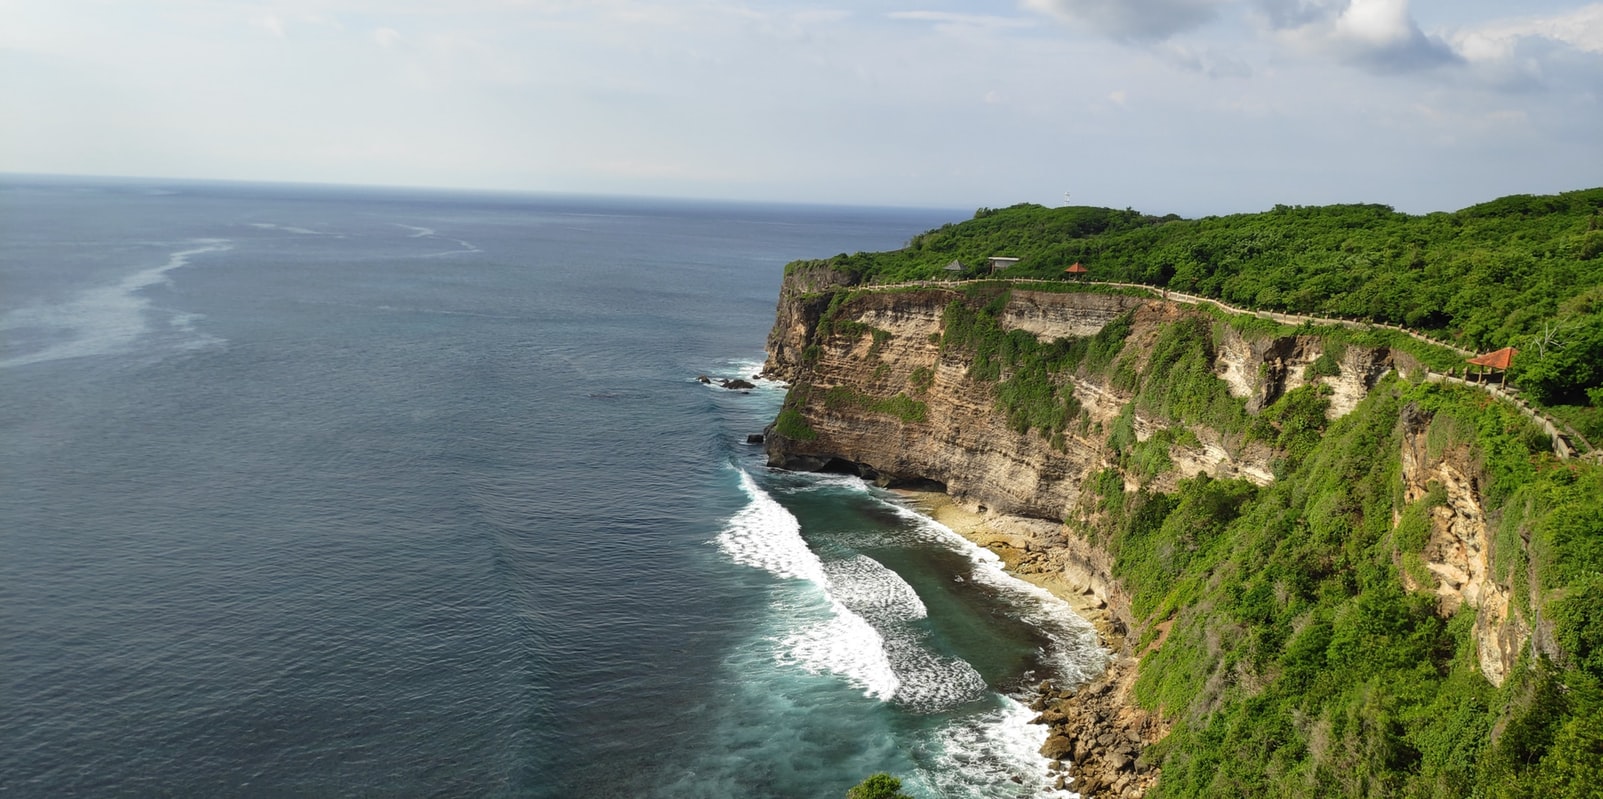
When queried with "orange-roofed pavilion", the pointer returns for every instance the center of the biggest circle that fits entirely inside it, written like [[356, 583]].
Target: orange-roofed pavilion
[[1499, 359]]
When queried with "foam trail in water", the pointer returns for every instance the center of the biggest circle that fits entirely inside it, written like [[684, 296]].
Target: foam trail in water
[[1076, 654], [828, 636], [421, 232], [465, 247], [418, 231], [874, 591], [299, 231], [105, 319], [992, 754]]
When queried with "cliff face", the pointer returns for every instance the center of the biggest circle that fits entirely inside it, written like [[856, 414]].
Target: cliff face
[[1460, 552], [849, 353], [803, 297], [961, 443], [881, 345], [880, 389]]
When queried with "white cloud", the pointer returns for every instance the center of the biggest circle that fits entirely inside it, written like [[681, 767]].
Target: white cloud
[[954, 20], [1377, 23], [1581, 29], [1227, 104], [1132, 20], [271, 23], [1378, 35]]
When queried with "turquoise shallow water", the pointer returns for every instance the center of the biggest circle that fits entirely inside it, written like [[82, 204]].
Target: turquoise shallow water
[[313, 491]]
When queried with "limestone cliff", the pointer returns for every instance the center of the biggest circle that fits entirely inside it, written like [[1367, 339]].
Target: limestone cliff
[[876, 346], [882, 386], [1459, 554], [961, 442]]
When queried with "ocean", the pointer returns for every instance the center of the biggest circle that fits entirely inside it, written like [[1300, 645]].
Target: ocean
[[319, 491]]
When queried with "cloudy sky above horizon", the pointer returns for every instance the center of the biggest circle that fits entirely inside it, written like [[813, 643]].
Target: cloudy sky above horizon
[[1186, 106]]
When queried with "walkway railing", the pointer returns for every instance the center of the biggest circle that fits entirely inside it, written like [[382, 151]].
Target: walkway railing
[[1564, 437]]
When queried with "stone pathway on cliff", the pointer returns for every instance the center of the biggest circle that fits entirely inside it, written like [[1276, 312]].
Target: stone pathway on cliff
[[1565, 438]]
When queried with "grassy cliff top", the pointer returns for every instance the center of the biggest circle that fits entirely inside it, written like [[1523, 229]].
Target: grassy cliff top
[[1523, 271], [1483, 276]]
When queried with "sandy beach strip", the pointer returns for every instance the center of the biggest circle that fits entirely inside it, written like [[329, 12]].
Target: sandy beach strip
[[1014, 539]]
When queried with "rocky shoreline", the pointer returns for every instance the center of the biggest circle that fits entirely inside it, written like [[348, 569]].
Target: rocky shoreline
[[1097, 734]]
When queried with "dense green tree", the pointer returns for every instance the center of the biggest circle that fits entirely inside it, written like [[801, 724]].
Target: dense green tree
[[1563, 364], [1307, 653], [1482, 276], [1509, 272], [878, 786]]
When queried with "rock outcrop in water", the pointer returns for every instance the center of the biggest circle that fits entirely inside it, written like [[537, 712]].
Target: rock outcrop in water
[[879, 390]]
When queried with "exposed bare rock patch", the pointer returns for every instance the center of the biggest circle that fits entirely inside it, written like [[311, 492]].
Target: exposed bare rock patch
[[1010, 491], [1460, 550]]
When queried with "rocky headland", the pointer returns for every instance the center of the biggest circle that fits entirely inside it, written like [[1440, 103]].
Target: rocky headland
[[881, 387]]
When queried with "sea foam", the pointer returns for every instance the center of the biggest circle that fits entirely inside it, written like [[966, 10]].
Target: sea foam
[[827, 636], [873, 590], [927, 682], [1076, 655], [766, 536], [106, 320], [983, 755]]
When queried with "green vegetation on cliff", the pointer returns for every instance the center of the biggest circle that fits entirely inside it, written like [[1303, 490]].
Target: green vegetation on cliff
[[1308, 653], [1523, 271], [1031, 389], [900, 406], [1413, 606], [1299, 663]]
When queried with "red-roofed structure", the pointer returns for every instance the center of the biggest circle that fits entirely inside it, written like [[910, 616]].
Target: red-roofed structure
[[1498, 359], [1076, 269]]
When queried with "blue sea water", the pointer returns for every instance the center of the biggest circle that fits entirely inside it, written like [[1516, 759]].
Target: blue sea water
[[316, 491]]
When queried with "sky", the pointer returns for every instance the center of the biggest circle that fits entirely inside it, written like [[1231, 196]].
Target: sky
[[1167, 106]]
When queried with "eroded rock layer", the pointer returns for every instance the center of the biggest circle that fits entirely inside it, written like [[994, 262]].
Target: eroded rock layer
[[879, 389]]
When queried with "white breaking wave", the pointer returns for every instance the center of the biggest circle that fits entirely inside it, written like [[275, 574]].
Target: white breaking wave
[[1076, 655], [826, 481], [930, 683], [829, 637], [766, 536], [751, 369], [982, 755], [417, 230], [874, 591], [862, 624], [747, 370], [844, 645], [299, 231], [927, 682], [107, 319]]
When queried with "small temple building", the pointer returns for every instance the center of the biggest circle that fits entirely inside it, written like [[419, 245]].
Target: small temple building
[[999, 262]]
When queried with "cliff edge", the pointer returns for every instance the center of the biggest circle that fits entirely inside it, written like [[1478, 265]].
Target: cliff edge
[[1074, 426]]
